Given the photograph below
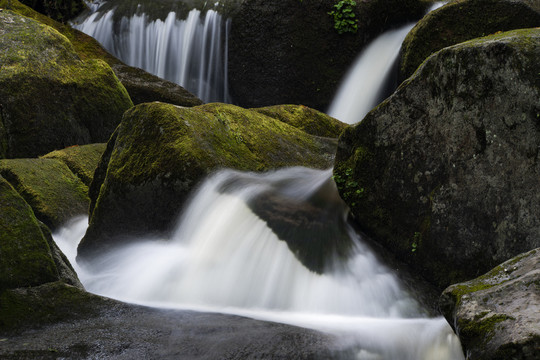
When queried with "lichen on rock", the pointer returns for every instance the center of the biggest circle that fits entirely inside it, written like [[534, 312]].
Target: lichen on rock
[[496, 315], [441, 172]]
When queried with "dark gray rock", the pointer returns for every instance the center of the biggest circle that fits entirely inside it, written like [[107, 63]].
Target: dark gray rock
[[463, 20], [145, 87], [288, 52], [444, 172], [497, 315]]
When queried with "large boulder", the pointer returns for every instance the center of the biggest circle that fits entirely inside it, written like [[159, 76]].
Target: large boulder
[[28, 256], [274, 60], [55, 194], [497, 315], [443, 172], [160, 152], [81, 160], [49, 98], [463, 20]]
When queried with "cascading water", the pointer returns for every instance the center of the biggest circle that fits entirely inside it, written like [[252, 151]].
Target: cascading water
[[365, 84], [190, 52], [222, 257]]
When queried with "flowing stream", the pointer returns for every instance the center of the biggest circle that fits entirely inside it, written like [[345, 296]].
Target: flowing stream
[[228, 252], [222, 257], [191, 52]]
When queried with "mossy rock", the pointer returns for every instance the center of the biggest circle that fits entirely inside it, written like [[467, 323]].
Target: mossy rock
[[306, 119], [59, 10], [161, 152], [50, 98], [274, 60], [495, 315], [441, 172], [81, 160], [55, 194], [459, 21], [25, 255]]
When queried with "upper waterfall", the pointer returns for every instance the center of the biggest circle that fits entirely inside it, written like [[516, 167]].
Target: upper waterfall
[[191, 52]]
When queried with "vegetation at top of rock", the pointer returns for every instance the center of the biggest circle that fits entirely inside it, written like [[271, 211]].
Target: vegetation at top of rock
[[304, 118], [459, 21], [344, 17], [446, 164], [55, 194], [50, 98], [495, 314], [161, 152], [81, 160]]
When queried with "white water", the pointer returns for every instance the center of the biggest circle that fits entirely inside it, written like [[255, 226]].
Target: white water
[[363, 86], [223, 258], [361, 90], [190, 52]]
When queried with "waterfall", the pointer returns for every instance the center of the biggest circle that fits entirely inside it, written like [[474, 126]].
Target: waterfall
[[190, 52], [366, 83], [223, 257]]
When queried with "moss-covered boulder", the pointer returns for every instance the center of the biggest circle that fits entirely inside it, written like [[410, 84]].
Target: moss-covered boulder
[[50, 98], [27, 256], [497, 314], [81, 160], [274, 59], [55, 194], [59, 10], [442, 173], [145, 87], [463, 20], [160, 152], [306, 119]]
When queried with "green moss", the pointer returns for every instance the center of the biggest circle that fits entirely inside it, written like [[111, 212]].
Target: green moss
[[53, 98], [306, 119], [25, 257], [460, 21], [481, 328], [81, 160], [52, 190]]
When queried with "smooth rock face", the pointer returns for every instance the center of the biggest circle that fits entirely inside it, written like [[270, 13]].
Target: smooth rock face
[[463, 20], [55, 194], [145, 87], [49, 98], [497, 316], [160, 152], [442, 173], [274, 60]]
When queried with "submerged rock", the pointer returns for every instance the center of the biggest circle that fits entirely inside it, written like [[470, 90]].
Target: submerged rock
[[463, 20], [497, 315], [441, 172], [81, 160], [160, 152], [51, 99], [55, 194], [274, 60]]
